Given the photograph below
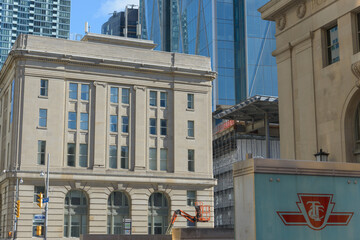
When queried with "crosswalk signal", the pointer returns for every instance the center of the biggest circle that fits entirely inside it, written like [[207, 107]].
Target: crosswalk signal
[[38, 230], [17, 209], [40, 200]]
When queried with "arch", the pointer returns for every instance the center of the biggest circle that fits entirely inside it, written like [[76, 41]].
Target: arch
[[158, 213], [75, 213], [118, 210], [352, 129]]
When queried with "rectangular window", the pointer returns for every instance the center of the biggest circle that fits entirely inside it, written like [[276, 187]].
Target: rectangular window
[[358, 31], [124, 157], [163, 159], [190, 101], [125, 124], [125, 96], [41, 152], [84, 121], [153, 98], [83, 155], [163, 127], [191, 160], [43, 87], [85, 92], [191, 129], [42, 117], [73, 90], [191, 198], [332, 45], [112, 156], [152, 126], [72, 120], [163, 99], [71, 155], [114, 94], [113, 123], [38, 190], [152, 158]]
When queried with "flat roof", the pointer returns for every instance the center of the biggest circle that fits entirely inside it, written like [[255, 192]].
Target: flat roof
[[252, 109]]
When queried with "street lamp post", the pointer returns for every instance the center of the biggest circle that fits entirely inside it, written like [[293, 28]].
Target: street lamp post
[[16, 201], [47, 196]]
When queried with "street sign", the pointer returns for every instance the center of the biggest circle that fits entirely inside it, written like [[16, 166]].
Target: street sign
[[45, 200], [39, 218]]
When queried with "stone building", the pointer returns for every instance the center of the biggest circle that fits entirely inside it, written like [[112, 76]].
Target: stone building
[[318, 59], [128, 130]]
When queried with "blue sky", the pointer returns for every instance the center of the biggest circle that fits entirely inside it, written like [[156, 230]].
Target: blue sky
[[96, 12]]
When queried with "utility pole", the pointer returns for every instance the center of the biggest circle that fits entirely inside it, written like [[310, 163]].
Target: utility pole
[[47, 196], [15, 218]]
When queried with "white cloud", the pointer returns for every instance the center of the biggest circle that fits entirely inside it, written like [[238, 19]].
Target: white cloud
[[109, 6]]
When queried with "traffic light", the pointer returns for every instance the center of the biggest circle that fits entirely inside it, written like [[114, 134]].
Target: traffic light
[[38, 230], [40, 200], [17, 209], [9, 234]]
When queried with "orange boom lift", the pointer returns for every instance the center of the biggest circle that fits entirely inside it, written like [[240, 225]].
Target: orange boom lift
[[202, 214]]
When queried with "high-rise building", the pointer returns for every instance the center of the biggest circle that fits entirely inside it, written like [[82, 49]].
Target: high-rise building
[[46, 18], [231, 32], [120, 21]]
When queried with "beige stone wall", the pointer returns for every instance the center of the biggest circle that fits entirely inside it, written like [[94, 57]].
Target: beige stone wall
[[103, 65], [314, 97]]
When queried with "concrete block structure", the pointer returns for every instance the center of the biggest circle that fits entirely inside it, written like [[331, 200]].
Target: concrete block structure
[[128, 130]]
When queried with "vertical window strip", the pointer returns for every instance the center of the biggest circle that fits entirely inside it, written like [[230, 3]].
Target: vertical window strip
[[71, 155], [84, 121], [152, 124], [42, 117], [163, 127], [41, 152], [153, 98], [83, 155], [191, 198], [113, 156], [43, 87], [125, 124], [190, 103], [124, 157], [85, 92], [163, 99], [152, 159], [73, 87], [113, 123], [72, 120], [191, 129], [114, 95], [163, 159], [191, 160], [332, 45], [125, 95]]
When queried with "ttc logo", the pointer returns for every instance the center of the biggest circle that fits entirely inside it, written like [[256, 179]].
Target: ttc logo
[[316, 212]]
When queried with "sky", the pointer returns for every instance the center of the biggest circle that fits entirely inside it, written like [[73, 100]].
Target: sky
[[96, 12]]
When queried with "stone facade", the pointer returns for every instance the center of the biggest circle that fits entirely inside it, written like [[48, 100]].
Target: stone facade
[[317, 53], [100, 67]]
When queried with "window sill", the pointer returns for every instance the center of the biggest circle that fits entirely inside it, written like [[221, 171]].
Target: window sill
[[84, 131], [190, 138], [72, 130], [41, 128], [124, 134], [190, 109], [44, 97]]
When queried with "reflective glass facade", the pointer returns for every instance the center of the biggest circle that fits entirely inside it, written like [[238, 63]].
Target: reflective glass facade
[[39, 17], [231, 32], [116, 24]]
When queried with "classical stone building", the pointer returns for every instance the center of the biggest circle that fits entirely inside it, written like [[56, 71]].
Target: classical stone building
[[128, 130], [318, 59]]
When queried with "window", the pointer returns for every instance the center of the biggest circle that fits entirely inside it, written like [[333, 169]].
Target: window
[[191, 129], [72, 120], [85, 92], [190, 101], [84, 121], [153, 98], [41, 152], [163, 127], [358, 31], [125, 95], [83, 155], [152, 159], [38, 190], [118, 210], [191, 160], [112, 156], [158, 209], [163, 99], [124, 157], [43, 87], [332, 45], [75, 214], [153, 126], [191, 198], [71, 155], [42, 117], [163, 159], [73, 90], [114, 94], [113, 123], [125, 124]]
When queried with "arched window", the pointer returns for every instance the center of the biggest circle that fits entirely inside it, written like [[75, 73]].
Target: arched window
[[76, 214], [158, 218], [118, 210]]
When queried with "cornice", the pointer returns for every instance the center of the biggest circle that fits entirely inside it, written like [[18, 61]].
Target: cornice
[[276, 8], [296, 167]]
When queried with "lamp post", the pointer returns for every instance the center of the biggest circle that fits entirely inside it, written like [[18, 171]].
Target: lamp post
[[321, 156], [18, 182]]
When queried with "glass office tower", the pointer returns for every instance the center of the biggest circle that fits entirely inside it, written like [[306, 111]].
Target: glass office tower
[[117, 23], [39, 17], [231, 32]]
